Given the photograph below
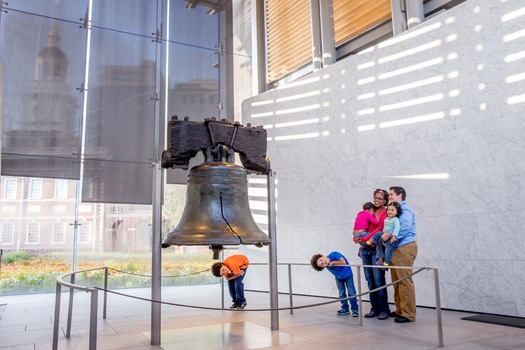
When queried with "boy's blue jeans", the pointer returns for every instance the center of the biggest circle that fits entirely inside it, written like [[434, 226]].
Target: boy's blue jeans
[[236, 288], [347, 285]]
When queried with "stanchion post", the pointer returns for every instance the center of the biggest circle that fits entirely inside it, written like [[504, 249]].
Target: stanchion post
[[222, 282], [93, 320], [438, 308], [70, 308], [272, 252], [290, 294], [359, 293], [105, 292], [57, 316]]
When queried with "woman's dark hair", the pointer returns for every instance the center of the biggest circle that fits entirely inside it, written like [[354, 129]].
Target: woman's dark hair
[[368, 205], [216, 269], [313, 262], [383, 192], [399, 191], [397, 206]]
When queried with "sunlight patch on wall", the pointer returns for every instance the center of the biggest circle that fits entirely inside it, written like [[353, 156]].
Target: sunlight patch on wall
[[297, 137], [260, 115], [514, 36], [412, 68], [297, 109], [413, 85], [410, 103], [436, 176], [366, 65], [298, 96], [516, 99], [366, 127], [515, 78], [412, 120], [514, 57], [410, 52], [513, 15], [366, 111], [299, 83], [297, 123], [366, 80], [261, 103]]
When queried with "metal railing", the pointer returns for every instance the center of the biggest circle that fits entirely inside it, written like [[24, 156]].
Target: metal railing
[[94, 297]]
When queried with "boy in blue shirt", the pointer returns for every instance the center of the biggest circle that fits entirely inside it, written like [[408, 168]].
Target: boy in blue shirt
[[343, 278]]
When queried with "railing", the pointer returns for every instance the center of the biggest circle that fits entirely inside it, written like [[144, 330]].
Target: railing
[[94, 298]]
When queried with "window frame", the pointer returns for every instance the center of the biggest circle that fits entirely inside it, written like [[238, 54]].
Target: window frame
[[29, 234]]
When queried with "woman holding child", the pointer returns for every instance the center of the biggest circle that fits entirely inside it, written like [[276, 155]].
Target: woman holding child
[[375, 277]]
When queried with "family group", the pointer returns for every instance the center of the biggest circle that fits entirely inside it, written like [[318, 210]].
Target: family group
[[385, 231]]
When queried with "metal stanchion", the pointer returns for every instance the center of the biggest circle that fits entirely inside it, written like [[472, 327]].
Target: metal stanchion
[[290, 293], [359, 293], [93, 320], [57, 316], [438, 308]]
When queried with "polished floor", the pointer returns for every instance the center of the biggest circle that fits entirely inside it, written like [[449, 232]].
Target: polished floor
[[26, 323]]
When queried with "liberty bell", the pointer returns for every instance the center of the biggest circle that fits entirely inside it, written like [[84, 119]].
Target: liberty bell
[[217, 210]]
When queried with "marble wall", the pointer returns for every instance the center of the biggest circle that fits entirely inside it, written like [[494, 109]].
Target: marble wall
[[439, 110]]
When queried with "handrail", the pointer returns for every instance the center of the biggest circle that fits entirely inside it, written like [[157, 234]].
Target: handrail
[[94, 297]]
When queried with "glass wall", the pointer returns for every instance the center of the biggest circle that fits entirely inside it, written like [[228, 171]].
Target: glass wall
[[86, 87]]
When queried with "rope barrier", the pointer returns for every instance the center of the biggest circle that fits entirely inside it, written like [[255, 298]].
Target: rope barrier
[[149, 276], [265, 309]]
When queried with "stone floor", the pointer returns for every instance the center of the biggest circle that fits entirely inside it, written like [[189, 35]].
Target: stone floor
[[26, 323]]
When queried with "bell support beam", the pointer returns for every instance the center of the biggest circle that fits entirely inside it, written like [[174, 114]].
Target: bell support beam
[[187, 138]]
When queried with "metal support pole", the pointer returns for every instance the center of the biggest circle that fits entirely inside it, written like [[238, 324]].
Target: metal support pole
[[105, 292], [70, 308], [315, 20], [259, 47], [398, 16], [290, 294], [93, 320], [415, 12], [360, 302], [156, 283], [156, 174], [57, 316], [222, 282], [272, 255], [327, 32], [438, 308]]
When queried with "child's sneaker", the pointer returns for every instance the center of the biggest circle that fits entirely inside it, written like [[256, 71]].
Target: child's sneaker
[[343, 312], [355, 314], [385, 264], [379, 263]]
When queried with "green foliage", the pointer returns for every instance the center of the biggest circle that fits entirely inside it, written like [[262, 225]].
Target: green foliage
[[37, 274], [13, 257]]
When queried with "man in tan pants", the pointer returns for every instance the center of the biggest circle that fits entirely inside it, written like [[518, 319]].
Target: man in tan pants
[[404, 255]]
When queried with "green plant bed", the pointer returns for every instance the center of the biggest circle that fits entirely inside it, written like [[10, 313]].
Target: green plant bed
[[24, 273]]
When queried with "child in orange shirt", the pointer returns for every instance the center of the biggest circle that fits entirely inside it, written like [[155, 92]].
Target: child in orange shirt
[[233, 268]]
